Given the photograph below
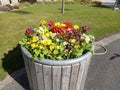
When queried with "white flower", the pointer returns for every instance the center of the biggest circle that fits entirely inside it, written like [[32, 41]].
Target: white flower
[[57, 40], [40, 30], [87, 39], [65, 43], [53, 35]]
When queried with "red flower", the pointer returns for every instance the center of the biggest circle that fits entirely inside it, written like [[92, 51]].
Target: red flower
[[68, 25], [29, 32], [58, 30], [50, 24]]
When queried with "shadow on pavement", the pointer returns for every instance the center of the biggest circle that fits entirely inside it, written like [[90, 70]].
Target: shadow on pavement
[[12, 62], [114, 56]]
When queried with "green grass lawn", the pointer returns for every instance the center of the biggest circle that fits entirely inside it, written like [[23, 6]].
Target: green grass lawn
[[103, 22]]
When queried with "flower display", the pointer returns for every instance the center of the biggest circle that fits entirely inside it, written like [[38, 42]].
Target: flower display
[[57, 40]]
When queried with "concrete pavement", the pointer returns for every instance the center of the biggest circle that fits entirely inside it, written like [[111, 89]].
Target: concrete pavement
[[104, 71]]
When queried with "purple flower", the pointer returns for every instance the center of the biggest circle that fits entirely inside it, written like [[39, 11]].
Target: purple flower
[[40, 37]]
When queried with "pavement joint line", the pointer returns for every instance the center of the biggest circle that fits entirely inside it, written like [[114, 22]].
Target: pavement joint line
[[19, 73]]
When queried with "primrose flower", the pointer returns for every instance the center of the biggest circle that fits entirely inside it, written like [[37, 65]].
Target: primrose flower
[[34, 45], [47, 34], [35, 38], [41, 47], [50, 23], [72, 40], [57, 24], [57, 40], [40, 30], [65, 43], [52, 47], [29, 32], [47, 42], [76, 27], [77, 46], [87, 39], [58, 47], [43, 23], [62, 25], [68, 24]]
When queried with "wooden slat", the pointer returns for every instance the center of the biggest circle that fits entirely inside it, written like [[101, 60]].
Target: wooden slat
[[47, 77], [74, 77], [33, 74], [80, 75], [86, 66], [56, 77], [65, 77], [39, 75], [28, 71]]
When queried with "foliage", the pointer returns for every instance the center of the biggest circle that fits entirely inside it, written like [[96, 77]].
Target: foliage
[[57, 40]]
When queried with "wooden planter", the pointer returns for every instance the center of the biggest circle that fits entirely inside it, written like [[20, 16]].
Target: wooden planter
[[56, 75]]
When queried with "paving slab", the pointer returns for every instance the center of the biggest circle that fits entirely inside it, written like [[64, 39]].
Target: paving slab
[[104, 70]]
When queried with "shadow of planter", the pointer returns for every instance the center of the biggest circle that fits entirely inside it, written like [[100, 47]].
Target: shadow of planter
[[12, 62]]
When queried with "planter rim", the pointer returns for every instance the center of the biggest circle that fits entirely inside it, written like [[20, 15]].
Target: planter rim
[[57, 62]]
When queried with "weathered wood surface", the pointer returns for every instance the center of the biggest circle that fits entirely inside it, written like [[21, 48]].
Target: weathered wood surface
[[66, 70], [39, 75], [45, 77], [74, 76], [56, 77], [80, 76], [85, 67], [31, 73]]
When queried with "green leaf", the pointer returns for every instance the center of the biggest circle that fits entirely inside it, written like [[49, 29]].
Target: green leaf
[[55, 52], [21, 42], [45, 52], [41, 56], [37, 52], [59, 58], [78, 52]]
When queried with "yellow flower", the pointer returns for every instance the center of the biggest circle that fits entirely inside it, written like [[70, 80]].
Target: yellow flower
[[35, 39], [34, 45], [77, 46], [72, 40], [58, 47], [52, 47], [76, 27], [43, 22], [47, 34], [62, 25], [50, 33], [47, 42], [57, 24], [69, 29], [41, 47]]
